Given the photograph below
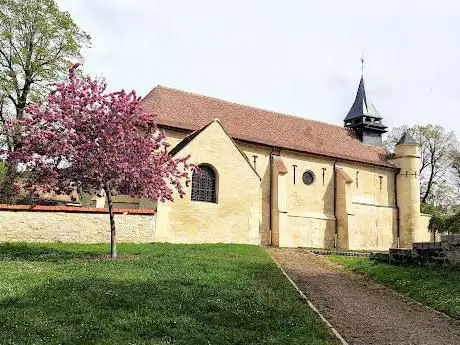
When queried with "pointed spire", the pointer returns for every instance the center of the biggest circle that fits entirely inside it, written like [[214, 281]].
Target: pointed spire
[[406, 139], [361, 106], [363, 118]]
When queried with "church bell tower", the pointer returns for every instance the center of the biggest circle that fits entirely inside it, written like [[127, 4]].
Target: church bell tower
[[364, 119]]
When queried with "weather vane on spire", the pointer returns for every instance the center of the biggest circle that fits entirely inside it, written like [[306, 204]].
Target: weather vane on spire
[[362, 64]]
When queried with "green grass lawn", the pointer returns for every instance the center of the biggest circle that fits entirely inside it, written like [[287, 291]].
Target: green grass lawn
[[154, 294], [436, 286]]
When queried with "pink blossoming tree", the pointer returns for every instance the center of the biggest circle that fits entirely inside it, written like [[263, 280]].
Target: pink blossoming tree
[[84, 138]]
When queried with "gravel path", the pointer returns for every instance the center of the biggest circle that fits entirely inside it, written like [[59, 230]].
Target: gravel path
[[364, 312]]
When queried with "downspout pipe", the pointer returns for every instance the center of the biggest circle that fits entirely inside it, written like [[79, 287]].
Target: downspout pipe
[[398, 217], [270, 196], [336, 232]]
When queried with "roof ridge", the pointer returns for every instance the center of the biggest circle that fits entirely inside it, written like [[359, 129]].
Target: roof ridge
[[244, 105]]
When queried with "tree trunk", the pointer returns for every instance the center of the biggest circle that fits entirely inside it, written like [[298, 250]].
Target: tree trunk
[[113, 240], [7, 184], [429, 185]]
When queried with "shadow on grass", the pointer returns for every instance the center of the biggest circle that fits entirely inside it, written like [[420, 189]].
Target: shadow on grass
[[103, 311], [34, 252]]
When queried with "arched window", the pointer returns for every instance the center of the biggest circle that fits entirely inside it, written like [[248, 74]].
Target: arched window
[[204, 184]]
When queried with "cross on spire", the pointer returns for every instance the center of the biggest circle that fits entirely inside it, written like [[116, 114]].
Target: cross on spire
[[362, 65]]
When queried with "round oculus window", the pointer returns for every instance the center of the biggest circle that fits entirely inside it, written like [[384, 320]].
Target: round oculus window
[[308, 177]]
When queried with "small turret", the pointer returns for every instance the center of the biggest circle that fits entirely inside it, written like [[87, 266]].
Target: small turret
[[407, 158], [364, 118], [406, 139]]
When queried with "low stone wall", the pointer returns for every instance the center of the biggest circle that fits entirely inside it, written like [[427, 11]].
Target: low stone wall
[[73, 224], [451, 247]]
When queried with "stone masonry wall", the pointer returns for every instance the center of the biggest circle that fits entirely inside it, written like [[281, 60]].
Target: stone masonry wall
[[44, 225], [451, 246]]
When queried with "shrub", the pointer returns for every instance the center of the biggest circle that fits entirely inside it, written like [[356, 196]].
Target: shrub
[[443, 223]]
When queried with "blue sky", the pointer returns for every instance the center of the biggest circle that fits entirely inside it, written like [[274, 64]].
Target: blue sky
[[292, 56]]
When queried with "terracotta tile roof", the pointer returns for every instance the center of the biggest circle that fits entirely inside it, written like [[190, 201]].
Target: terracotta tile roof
[[345, 176], [188, 111], [280, 166]]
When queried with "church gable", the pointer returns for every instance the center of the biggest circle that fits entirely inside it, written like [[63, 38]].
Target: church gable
[[206, 139]]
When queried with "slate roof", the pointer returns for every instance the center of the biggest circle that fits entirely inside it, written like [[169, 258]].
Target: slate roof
[[406, 139], [362, 106], [188, 111]]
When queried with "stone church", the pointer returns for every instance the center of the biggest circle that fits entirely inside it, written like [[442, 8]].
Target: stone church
[[275, 179]]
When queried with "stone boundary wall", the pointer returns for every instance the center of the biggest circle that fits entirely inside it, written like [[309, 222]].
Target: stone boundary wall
[[451, 246], [26, 223], [73, 209]]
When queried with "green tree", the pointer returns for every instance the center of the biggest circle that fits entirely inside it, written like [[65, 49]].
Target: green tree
[[453, 224], [438, 224], [443, 223], [38, 44], [437, 149], [456, 165]]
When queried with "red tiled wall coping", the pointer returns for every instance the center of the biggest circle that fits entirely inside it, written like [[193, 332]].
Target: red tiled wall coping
[[72, 209]]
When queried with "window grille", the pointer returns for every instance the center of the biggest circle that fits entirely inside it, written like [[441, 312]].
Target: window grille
[[204, 185], [308, 177]]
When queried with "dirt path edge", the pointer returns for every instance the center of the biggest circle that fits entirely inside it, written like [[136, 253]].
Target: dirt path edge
[[311, 305], [363, 311], [386, 287]]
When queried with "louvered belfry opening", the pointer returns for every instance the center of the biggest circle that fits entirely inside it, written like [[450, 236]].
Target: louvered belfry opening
[[204, 185]]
